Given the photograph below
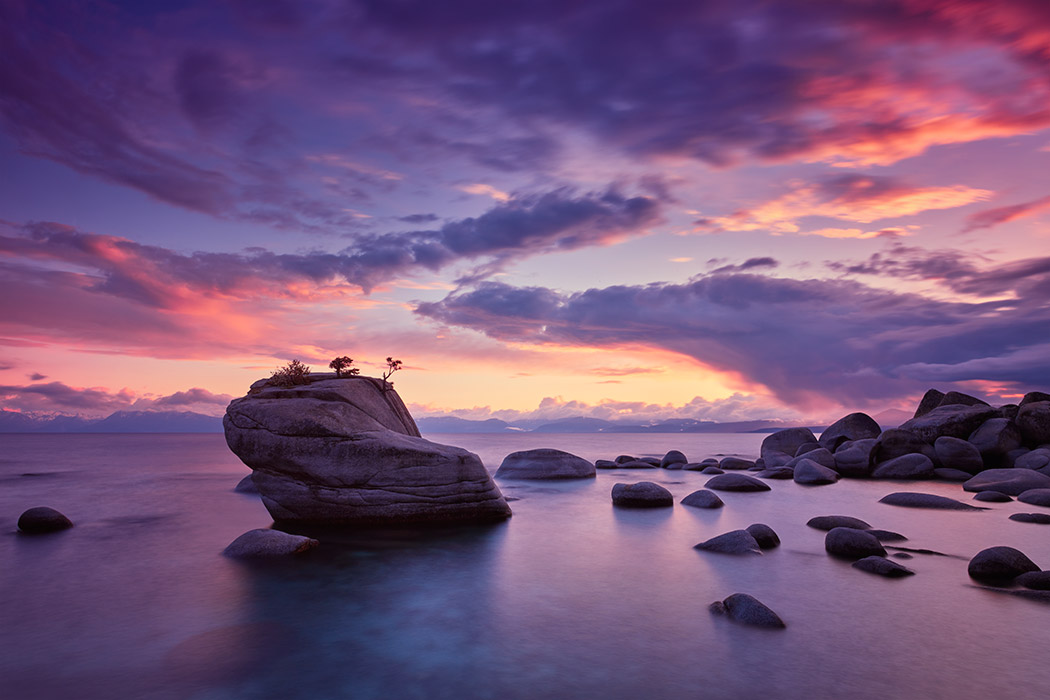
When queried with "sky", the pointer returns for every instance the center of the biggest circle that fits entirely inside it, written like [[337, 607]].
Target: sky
[[725, 210]]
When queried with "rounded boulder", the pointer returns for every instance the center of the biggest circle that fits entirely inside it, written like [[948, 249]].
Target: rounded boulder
[[42, 520], [847, 543], [999, 565], [644, 494], [545, 463]]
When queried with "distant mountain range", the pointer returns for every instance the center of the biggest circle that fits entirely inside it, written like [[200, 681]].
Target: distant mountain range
[[119, 422]]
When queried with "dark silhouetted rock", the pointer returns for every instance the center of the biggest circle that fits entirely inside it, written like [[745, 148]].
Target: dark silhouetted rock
[[777, 473], [635, 464], [703, 499], [897, 442], [764, 535], [264, 544], [695, 467], [673, 457], [883, 567], [605, 464], [246, 485], [1034, 397], [853, 459], [806, 448], [736, 482], [712, 471], [992, 497], [812, 474], [930, 400], [1010, 460], [946, 474], [818, 455], [1012, 482], [624, 458], [644, 494], [855, 426], [953, 421], [734, 542], [887, 535], [830, 522], [999, 565], [1009, 410], [957, 398], [994, 439], [848, 543], [910, 466], [780, 447], [544, 463], [42, 520], [1038, 458], [1035, 580], [926, 500], [1035, 497], [956, 453], [731, 463], [1037, 518], [745, 609], [1033, 421], [346, 451]]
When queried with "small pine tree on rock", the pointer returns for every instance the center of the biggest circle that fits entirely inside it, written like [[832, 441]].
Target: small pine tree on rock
[[342, 367]]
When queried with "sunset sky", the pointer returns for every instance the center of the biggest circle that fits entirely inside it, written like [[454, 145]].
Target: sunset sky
[[712, 209]]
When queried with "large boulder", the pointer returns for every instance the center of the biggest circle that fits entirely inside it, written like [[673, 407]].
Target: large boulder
[[1035, 497], [747, 610], [855, 426], [644, 494], [909, 466], [999, 565], [1033, 397], [995, 439], [1012, 482], [673, 457], [953, 420], [957, 398], [266, 544], [544, 463], [1038, 458], [780, 447], [346, 451], [957, 453], [42, 520], [847, 543], [818, 455], [809, 473], [734, 542], [930, 400], [1033, 420], [897, 442], [853, 459]]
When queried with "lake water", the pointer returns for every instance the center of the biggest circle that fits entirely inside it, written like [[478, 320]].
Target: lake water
[[570, 598]]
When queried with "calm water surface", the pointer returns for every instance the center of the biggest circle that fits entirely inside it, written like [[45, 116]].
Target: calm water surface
[[570, 598]]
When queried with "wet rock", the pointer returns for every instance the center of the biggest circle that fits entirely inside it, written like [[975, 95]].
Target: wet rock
[[703, 499], [952, 420], [712, 471], [853, 459], [847, 543], [246, 485], [777, 473], [1034, 580], [910, 466], [992, 497], [930, 400], [812, 474], [818, 455], [734, 542], [1033, 421], [897, 442], [855, 426], [673, 457], [883, 567], [999, 565], [830, 522], [957, 453], [731, 463], [946, 474], [265, 544], [544, 463], [780, 447], [736, 482], [925, 500], [764, 535], [644, 494], [42, 520], [747, 610], [995, 438], [1035, 497], [1037, 518], [1012, 482]]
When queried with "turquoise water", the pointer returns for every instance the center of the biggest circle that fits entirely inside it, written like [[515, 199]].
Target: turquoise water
[[570, 598]]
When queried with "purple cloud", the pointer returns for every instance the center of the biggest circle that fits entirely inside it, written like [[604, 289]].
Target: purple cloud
[[990, 218]]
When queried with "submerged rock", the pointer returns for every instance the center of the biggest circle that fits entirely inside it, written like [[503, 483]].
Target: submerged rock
[[883, 567], [1012, 482], [847, 543], [42, 520], [1035, 497], [644, 494], [261, 544], [747, 610], [909, 499], [734, 542], [999, 565], [346, 451], [992, 497], [544, 463], [703, 499], [830, 522], [1037, 518], [736, 482]]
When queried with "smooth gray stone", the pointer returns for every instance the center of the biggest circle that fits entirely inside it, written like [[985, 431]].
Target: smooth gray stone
[[855, 426], [1035, 459], [992, 497], [910, 466], [731, 463], [545, 463], [995, 438], [246, 485], [644, 494], [703, 499], [736, 482], [712, 471], [999, 564], [780, 447], [1037, 518], [956, 453], [830, 522], [766, 537], [346, 451], [819, 455], [1012, 482], [1034, 580], [747, 610], [1035, 497], [812, 474], [776, 473], [952, 420], [673, 457], [734, 542], [951, 474], [883, 567], [853, 459], [849, 543], [262, 544], [887, 535], [1033, 420], [42, 520], [909, 499]]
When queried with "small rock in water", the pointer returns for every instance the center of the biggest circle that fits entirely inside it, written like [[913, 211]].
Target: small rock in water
[[736, 482], [712, 471], [730, 463], [999, 565], [909, 499], [764, 535], [829, 522], [1035, 580], [735, 542], [1038, 518], [635, 464], [703, 499], [42, 520], [246, 485], [262, 544], [992, 497], [644, 494], [883, 567], [902, 555], [673, 457], [624, 458], [848, 543], [605, 464], [748, 610], [1035, 497]]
